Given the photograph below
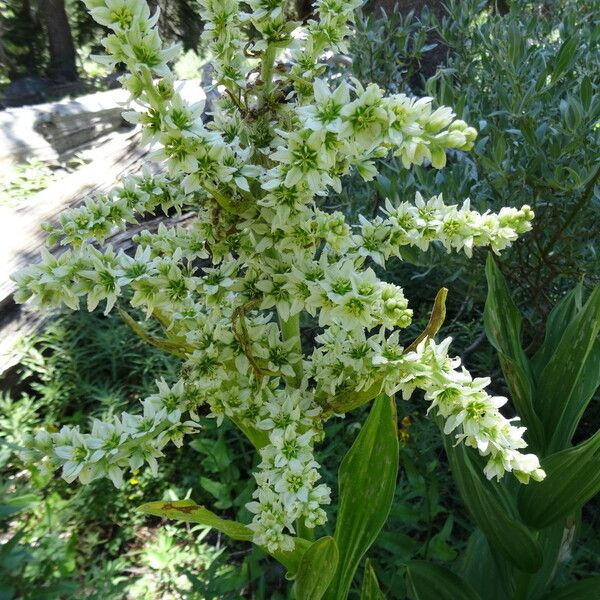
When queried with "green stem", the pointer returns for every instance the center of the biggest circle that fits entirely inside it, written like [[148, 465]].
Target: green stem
[[151, 90], [303, 531], [224, 202], [266, 73], [290, 330]]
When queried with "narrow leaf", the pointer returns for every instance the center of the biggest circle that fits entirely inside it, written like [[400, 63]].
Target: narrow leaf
[[188, 510], [558, 320], [427, 581], [436, 320], [571, 376], [492, 509], [503, 328], [572, 479], [370, 587], [564, 58], [367, 481], [177, 348], [316, 569]]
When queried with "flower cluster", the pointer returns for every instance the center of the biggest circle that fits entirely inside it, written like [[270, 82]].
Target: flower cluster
[[126, 442], [256, 255]]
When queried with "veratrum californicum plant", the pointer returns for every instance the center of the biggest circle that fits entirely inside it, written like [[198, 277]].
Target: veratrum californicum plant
[[280, 138]]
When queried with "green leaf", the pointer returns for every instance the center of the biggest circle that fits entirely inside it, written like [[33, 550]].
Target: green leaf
[[491, 507], [219, 490], [370, 586], [571, 376], [586, 92], [503, 322], [564, 58], [586, 589], [501, 317], [367, 481], [427, 581], [572, 478], [188, 510], [558, 320], [316, 569], [487, 572]]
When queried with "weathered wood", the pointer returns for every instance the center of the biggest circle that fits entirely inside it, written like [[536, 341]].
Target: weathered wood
[[53, 132], [21, 321], [48, 132], [21, 237]]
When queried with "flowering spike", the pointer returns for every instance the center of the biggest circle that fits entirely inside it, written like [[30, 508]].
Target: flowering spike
[[280, 138]]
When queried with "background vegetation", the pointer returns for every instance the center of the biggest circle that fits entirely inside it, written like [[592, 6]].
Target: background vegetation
[[526, 75]]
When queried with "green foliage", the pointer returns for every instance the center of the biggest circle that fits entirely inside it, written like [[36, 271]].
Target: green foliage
[[530, 83], [527, 530], [365, 501], [317, 569], [389, 50], [84, 543], [426, 581]]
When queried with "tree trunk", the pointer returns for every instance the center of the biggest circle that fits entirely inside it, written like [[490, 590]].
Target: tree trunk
[[304, 9], [60, 41]]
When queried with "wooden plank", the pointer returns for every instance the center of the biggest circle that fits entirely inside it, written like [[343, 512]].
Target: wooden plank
[[21, 237]]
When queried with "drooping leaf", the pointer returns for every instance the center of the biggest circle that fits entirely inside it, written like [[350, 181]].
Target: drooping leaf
[[370, 587], [188, 510], [367, 481], [428, 581], [492, 508], [503, 328], [316, 569], [571, 376], [586, 589], [572, 479], [436, 320]]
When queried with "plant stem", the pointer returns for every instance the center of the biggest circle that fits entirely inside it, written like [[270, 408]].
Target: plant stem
[[266, 73], [290, 330], [303, 531]]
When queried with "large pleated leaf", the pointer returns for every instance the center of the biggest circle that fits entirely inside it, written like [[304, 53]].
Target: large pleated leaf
[[490, 575], [316, 569], [503, 323], [427, 581], [558, 320], [492, 508], [188, 510], [572, 479], [367, 481], [571, 376]]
